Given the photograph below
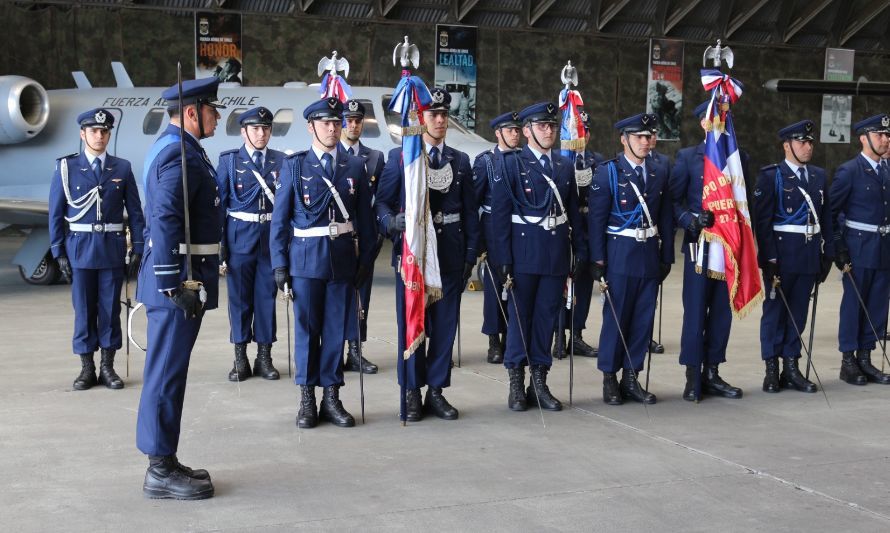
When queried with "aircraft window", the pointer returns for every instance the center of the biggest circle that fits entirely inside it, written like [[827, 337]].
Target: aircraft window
[[153, 120], [372, 128], [233, 127], [282, 122]]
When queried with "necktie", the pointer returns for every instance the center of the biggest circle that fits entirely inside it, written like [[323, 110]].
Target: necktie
[[803, 175], [326, 164], [434, 157], [258, 159], [351, 151], [639, 170], [97, 168], [545, 165]]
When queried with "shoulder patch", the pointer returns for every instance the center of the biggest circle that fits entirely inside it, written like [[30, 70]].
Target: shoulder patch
[[769, 167], [75, 154]]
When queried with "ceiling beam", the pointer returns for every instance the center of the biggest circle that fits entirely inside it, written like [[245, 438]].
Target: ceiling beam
[[658, 22], [868, 14], [464, 9], [723, 16], [841, 18], [679, 14], [609, 11], [739, 20], [783, 20], [385, 6], [805, 18], [538, 11]]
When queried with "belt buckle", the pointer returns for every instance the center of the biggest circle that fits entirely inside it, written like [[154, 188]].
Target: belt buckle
[[438, 218], [333, 230], [640, 234], [551, 222], [883, 230], [263, 217], [98, 228]]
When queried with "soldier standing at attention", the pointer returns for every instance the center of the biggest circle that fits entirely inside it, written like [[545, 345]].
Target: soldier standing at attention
[[89, 192], [247, 177]]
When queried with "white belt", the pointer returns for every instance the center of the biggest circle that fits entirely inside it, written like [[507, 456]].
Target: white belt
[[251, 217], [450, 218], [333, 230], [871, 228], [197, 249], [96, 228], [548, 222], [806, 229], [640, 234], [484, 209]]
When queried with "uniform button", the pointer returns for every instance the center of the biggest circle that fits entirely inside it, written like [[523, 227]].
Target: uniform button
[[203, 259]]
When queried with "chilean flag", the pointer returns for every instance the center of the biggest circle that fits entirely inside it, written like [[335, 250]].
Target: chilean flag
[[420, 263], [731, 251], [571, 132], [334, 85]]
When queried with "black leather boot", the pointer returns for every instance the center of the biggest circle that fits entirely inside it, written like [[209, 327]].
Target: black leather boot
[[872, 374], [495, 350], [332, 408], [164, 480], [631, 389], [87, 378], [559, 344], [413, 406], [355, 362], [714, 384], [516, 401], [107, 375], [436, 404], [771, 381], [611, 390], [307, 417], [656, 347], [792, 378], [581, 348], [850, 371], [538, 393], [693, 382], [197, 473], [263, 365], [241, 369]]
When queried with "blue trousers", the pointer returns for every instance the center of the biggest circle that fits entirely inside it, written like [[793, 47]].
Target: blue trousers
[[777, 334], [252, 293], [321, 309], [430, 364], [854, 331], [170, 341], [634, 300], [356, 329], [493, 308], [583, 296], [537, 299], [96, 296], [707, 318]]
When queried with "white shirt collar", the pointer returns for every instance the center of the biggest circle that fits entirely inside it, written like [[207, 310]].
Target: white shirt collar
[[91, 157], [251, 152], [634, 165], [440, 146], [794, 167], [538, 154], [319, 152], [355, 147], [872, 162]]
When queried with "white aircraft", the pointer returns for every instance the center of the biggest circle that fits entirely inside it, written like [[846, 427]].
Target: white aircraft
[[42, 126]]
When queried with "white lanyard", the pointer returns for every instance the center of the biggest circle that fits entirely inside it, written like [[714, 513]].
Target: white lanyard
[[84, 202], [265, 187], [642, 203], [337, 199]]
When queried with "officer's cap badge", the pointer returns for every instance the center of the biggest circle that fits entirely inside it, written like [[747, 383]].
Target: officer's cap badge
[[584, 116], [438, 96], [550, 108], [515, 116], [263, 113], [885, 121], [644, 120], [809, 127], [332, 102], [353, 105], [100, 117]]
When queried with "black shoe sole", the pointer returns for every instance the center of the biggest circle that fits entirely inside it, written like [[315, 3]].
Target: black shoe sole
[[167, 495], [612, 401], [518, 408], [82, 387], [237, 379], [354, 369]]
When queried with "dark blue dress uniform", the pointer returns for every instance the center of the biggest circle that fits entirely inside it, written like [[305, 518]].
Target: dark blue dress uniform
[[87, 198], [792, 218], [535, 241], [707, 316], [374, 162], [860, 206], [493, 310], [636, 249], [456, 220], [322, 233], [171, 336], [251, 287]]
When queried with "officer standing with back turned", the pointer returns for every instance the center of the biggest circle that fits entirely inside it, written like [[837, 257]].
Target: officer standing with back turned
[[90, 191], [176, 293], [247, 179]]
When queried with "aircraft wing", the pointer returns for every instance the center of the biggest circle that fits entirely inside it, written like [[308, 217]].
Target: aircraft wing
[[24, 204]]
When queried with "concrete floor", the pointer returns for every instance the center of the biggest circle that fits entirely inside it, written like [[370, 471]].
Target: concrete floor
[[785, 462]]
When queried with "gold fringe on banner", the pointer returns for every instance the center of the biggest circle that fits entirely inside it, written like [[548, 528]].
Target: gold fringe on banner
[[574, 144]]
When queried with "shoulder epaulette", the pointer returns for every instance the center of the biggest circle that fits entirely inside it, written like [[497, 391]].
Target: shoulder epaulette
[[769, 167], [227, 152], [483, 152], [614, 159], [301, 153], [75, 154]]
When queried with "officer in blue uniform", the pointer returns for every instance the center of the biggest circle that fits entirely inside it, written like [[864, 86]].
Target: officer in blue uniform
[[350, 138], [452, 202], [631, 248], [658, 159], [576, 320], [176, 294], [791, 217], [507, 130], [323, 240], [860, 193], [87, 198], [536, 213], [707, 317], [247, 177]]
